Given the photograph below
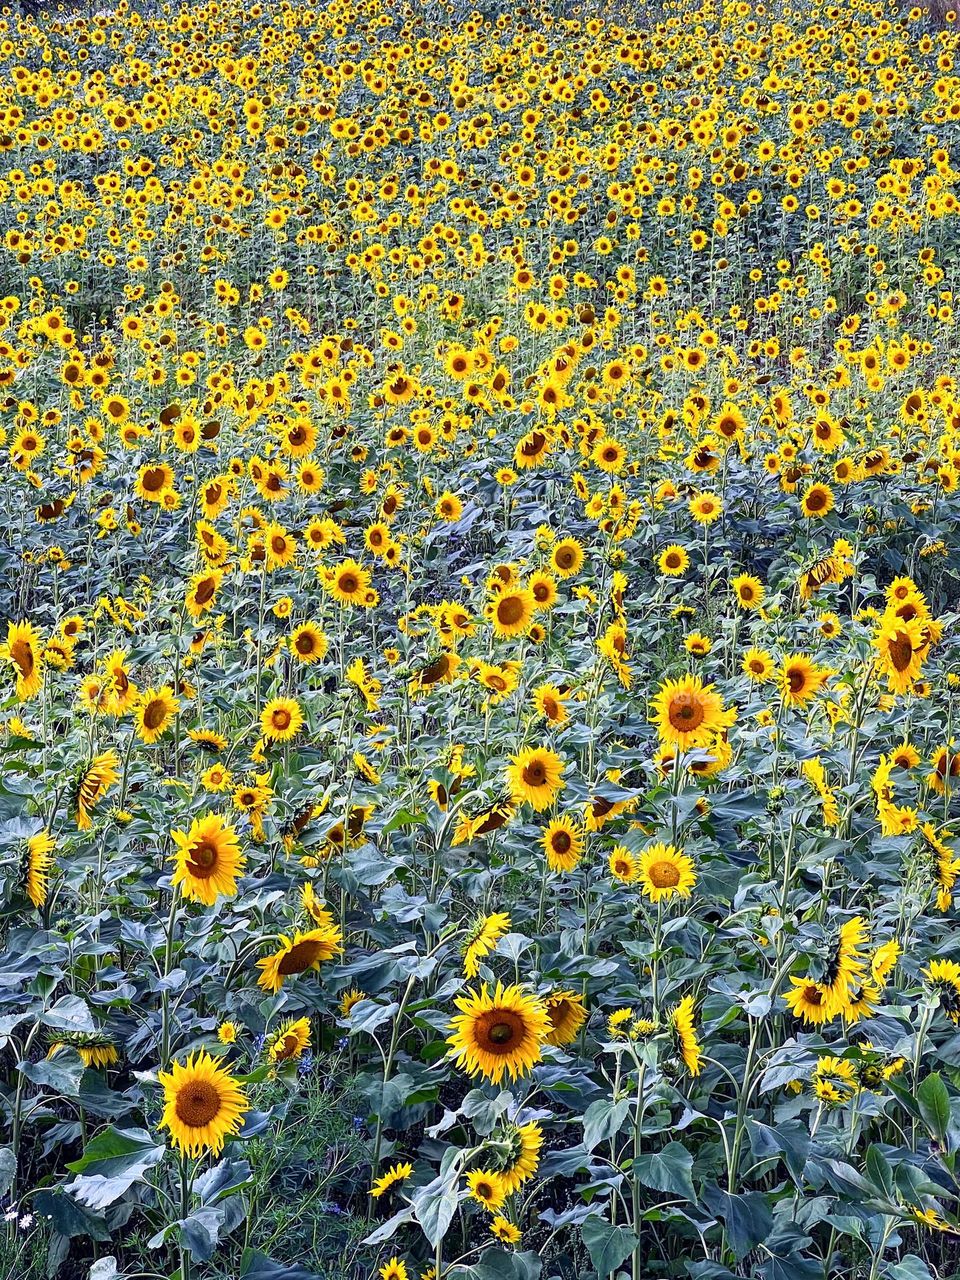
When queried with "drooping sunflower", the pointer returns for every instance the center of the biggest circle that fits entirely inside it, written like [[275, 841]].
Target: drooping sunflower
[[498, 1032], [208, 860], [281, 719], [96, 1048], [689, 714], [24, 649], [37, 869], [155, 712], [685, 1035], [534, 776], [94, 783], [944, 977], [204, 1104], [810, 1001], [396, 1174], [567, 1015], [482, 938], [297, 955], [289, 1041], [522, 1143], [665, 873], [562, 844]]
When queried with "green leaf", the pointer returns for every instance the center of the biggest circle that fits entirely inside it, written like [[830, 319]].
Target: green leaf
[[668, 1170], [879, 1171], [8, 1168], [257, 1266], [604, 1119], [403, 819], [434, 1206], [934, 1103], [607, 1246], [60, 1074], [67, 1217]]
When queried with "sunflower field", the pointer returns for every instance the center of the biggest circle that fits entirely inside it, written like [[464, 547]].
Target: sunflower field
[[479, 648]]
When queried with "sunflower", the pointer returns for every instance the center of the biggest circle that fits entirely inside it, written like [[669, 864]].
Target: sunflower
[[623, 865], [24, 650], [281, 719], [534, 776], [482, 938], [901, 647], [673, 560], [562, 844], [95, 781], [348, 582], [566, 558], [551, 703], [298, 954], [394, 1270], [666, 873], [289, 1040], [689, 714], [155, 712], [396, 1174], [521, 1143], [944, 977], [817, 501], [204, 1104], [567, 1015], [308, 644], [748, 591], [758, 665], [705, 508], [37, 870], [801, 679], [505, 1231], [208, 860], [96, 1048], [685, 1035], [486, 1187], [810, 1001], [498, 1032], [511, 612], [202, 592]]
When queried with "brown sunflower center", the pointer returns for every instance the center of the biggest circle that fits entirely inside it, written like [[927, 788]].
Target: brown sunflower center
[[300, 956], [499, 1030], [348, 584], [286, 1048], [685, 712], [204, 856], [797, 679], [510, 610], [535, 773], [901, 651], [22, 653], [305, 644], [812, 995], [281, 719], [816, 500], [154, 714], [197, 1104], [564, 557], [561, 842], [665, 875], [154, 479], [205, 590]]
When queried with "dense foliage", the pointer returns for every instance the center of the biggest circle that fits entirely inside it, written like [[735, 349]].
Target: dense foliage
[[479, 657]]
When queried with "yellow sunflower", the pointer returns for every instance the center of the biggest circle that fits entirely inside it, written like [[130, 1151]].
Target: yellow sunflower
[[204, 1104], [511, 612], [689, 714], [482, 938], [534, 776], [666, 873], [685, 1035], [486, 1187], [562, 844], [281, 719], [901, 646], [298, 954], [38, 861], [155, 712], [498, 1032], [24, 650], [208, 860], [567, 1015], [289, 1041]]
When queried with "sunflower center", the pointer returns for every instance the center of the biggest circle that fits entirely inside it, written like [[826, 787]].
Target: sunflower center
[[22, 654], [300, 956], [812, 995], [685, 712], [498, 1030], [287, 1047], [197, 1104], [348, 584], [281, 718], [796, 679], [154, 714], [510, 610], [665, 875], [561, 842], [535, 773], [901, 652], [305, 644], [816, 500], [153, 479], [203, 859], [564, 557], [204, 592]]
